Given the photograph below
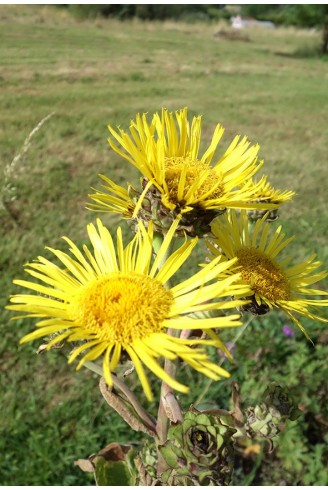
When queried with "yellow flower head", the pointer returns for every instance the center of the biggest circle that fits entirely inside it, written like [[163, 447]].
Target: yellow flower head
[[115, 199], [166, 152], [265, 192], [115, 301], [273, 282]]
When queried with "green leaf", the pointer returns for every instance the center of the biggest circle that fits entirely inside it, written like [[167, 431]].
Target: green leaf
[[112, 473], [166, 475], [203, 419], [169, 455]]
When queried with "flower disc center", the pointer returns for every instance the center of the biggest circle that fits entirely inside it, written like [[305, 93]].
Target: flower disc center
[[122, 307], [263, 274], [176, 167]]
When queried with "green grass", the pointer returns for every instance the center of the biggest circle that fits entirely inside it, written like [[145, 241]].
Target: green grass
[[93, 73]]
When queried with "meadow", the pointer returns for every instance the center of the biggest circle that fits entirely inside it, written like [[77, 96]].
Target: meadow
[[268, 85]]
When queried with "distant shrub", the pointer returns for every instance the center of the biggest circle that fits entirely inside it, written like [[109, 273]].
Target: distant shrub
[[296, 15], [92, 11]]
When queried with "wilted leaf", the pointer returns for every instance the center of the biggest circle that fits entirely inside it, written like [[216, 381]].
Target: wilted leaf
[[84, 465], [114, 451]]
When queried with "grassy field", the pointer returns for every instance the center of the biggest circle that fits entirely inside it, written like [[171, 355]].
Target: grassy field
[[271, 87]]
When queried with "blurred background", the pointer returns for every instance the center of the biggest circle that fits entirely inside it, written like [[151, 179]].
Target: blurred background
[[259, 70]]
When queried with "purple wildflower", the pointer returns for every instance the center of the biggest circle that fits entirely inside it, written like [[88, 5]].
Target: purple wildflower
[[289, 332]]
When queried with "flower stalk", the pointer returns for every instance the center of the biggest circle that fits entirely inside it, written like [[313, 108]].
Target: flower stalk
[[168, 409]]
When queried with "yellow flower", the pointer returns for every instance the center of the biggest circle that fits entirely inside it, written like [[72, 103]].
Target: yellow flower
[[120, 202], [273, 282], [166, 152], [265, 192], [113, 302]]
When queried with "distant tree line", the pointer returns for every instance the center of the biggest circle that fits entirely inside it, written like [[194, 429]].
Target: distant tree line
[[151, 12], [296, 15]]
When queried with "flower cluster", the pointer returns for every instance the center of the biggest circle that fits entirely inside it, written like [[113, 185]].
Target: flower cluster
[[114, 301], [176, 181]]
